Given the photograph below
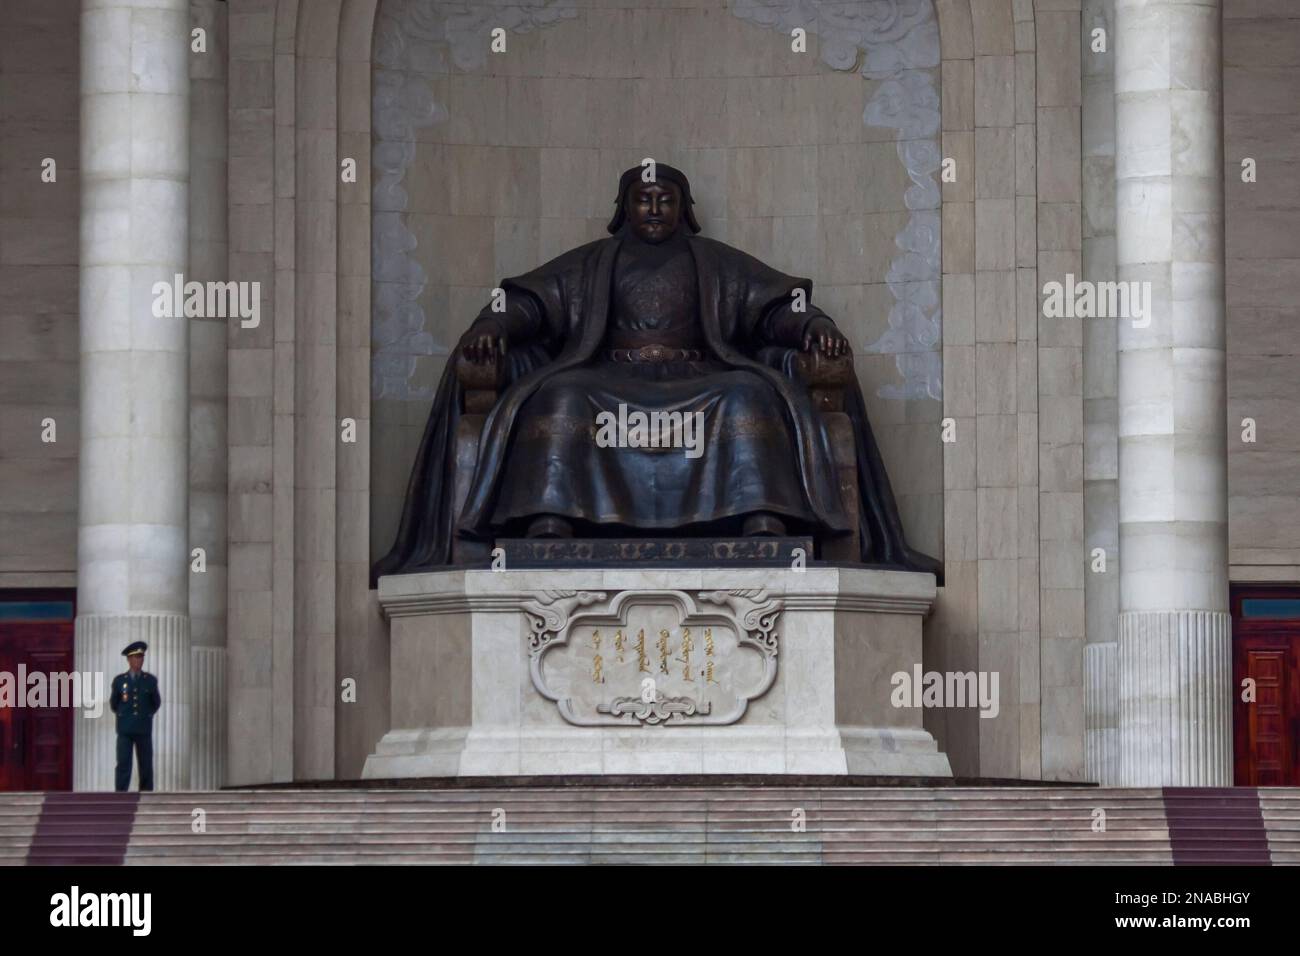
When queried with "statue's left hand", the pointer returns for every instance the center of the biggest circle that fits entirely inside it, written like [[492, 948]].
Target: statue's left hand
[[484, 343], [823, 336]]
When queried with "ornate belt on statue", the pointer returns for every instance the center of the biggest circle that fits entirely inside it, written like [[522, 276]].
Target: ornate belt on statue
[[656, 353]]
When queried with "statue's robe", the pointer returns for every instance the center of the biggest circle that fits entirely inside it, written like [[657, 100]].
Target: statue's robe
[[714, 442], [556, 320]]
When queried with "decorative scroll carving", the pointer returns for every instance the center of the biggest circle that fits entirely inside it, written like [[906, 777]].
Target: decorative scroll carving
[[653, 712], [549, 615], [757, 612]]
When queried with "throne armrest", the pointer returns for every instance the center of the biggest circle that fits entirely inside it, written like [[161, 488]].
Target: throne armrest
[[825, 377], [481, 382]]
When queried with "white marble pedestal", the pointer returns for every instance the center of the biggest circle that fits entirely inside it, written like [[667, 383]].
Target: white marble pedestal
[[740, 671]]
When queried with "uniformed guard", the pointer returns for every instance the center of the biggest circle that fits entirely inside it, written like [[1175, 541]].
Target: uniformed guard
[[135, 700]]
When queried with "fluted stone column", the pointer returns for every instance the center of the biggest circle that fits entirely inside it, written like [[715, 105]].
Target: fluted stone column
[[132, 546], [209, 459], [1174, 664]]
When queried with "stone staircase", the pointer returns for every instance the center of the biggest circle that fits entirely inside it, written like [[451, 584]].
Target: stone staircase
[[1280, 809], [19, 814], [656, 824]]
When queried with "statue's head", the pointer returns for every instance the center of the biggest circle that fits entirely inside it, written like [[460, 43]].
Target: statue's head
[[654, 209]]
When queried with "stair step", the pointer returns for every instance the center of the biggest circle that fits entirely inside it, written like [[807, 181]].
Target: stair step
[[695, 824]]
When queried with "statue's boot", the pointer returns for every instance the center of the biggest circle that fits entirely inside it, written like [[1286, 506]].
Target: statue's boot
[[550, 526], [762, 524]]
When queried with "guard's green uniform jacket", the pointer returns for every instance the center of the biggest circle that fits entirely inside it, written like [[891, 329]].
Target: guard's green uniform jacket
[[135, 702]]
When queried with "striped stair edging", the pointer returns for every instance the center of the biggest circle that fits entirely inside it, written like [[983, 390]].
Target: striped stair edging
[[1216, 826], [83, 828]]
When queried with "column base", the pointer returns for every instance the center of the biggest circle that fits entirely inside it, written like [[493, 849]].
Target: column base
[[1175, 698], [100, 639]]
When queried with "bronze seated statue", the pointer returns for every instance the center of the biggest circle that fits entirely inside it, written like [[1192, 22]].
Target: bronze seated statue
[[681, 330]]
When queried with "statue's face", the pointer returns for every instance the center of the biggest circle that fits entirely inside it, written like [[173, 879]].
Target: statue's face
[[653, 210]]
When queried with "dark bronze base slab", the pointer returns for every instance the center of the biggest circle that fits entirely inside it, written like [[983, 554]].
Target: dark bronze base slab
[[653, 552]]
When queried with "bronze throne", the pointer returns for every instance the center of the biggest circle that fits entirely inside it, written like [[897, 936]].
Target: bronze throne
[[825, 378]]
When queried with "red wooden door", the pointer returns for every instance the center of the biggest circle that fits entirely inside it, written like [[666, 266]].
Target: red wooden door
[[36, 741], [45, 741], [8, 721], [1266, 649]]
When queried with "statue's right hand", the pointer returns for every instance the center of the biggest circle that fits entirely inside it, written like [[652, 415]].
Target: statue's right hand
[[484, 342]]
